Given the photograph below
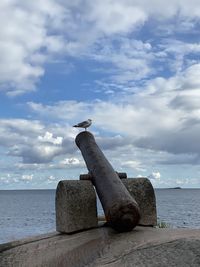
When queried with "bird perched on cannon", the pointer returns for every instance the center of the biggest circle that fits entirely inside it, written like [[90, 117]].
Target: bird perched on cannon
[[84, 124]]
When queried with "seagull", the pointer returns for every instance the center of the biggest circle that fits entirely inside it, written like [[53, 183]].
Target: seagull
[[84, 124]]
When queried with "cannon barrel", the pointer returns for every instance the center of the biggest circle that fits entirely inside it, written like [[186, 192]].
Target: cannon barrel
[[121, 210]]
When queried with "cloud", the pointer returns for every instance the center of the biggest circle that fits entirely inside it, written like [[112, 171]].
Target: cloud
[[155, 176], [113, 142], [16, 131], [180, 159], [38, 32], [133, 164], [37, 154], [64, 110], [26, 43], [51, 180], [48, 138], [54, 164], [104, 31], [27, 177], [127, 59], [4, 180], [112, 17], [146, 55], [73, 161], [70, 163], [162, 116], [35, 142]]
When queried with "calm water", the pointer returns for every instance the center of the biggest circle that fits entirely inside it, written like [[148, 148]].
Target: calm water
[[25, 213], [30, 212]]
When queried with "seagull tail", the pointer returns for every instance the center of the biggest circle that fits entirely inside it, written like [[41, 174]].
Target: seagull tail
[[75, 125]]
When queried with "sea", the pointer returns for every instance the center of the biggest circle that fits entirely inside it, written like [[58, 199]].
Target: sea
[[24, 213]]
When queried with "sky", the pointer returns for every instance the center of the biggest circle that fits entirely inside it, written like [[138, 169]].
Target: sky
[[131, 66]]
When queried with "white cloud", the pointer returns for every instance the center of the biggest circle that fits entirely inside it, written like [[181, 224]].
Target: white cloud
[[150, 112], [112, 17], [162, 116], [27, 177], [34, 34], [24, 38], [4, 180], [35, 142], [70, 161], [37, 154], [51, 179], [130, 59], [65, 110], [133, 164], [48, 137], [31, 166], [155, 175], [168, 9]]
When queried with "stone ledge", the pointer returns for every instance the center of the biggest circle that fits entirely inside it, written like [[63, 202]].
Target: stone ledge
[[144, 246], [152, 247]]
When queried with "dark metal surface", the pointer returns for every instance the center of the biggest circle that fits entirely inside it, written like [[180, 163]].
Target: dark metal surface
[[121, 210], [122, 175]]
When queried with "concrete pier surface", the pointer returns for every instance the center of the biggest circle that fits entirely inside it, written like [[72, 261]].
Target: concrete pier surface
[[102, 246]]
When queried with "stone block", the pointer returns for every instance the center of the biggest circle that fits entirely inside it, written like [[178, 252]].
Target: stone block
[[75, 206], [142, 191]]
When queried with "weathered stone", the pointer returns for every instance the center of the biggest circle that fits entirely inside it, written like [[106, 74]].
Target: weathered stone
[[54, 250], [75, 206], [142, 191], [144, 246], [150, 247]]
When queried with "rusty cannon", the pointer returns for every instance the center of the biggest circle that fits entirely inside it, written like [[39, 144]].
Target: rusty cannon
[[121, 210], [126, 202]]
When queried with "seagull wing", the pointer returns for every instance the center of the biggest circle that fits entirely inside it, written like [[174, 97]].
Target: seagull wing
[[82, 124]]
